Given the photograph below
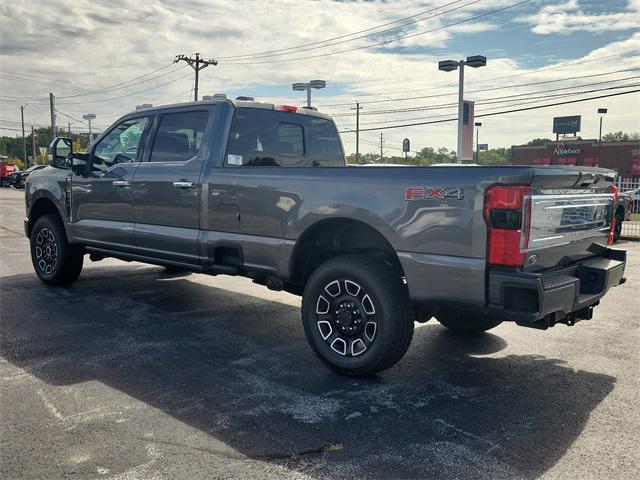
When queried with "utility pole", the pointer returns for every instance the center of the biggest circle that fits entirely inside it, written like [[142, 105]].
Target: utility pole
[[52, 107], [381, 152], [357, 109], [33, 144], [24, 139], [69, 127], [197, 64]]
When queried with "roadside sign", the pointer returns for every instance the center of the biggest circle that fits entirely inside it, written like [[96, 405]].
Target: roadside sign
[[566, 124], [406, 145], [467, 131], [483, 147]]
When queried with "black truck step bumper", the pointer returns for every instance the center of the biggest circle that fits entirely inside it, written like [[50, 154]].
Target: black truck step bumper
[[562, 296]]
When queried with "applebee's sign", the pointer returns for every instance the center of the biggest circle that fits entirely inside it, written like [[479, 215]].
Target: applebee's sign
[[562, 151]]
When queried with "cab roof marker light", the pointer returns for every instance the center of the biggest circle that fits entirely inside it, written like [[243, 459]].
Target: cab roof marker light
[[286, 108]]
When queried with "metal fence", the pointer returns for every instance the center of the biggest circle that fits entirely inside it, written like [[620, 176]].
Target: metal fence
[[631, 224]]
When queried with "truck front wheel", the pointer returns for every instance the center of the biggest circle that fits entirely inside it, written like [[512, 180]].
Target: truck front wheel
[[463, 321], [54, 259], [356, 315]]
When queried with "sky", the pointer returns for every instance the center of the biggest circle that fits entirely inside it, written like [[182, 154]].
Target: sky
[[107, 57]]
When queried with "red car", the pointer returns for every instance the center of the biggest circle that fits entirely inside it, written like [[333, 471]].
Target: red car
[[6, 169]]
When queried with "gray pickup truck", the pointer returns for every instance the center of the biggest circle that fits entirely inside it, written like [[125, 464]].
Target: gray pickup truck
[[263, 191]]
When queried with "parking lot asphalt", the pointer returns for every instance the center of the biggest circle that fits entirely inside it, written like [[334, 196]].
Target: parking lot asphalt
[[132, 373]]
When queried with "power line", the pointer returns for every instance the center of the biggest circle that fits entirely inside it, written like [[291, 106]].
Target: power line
[[340, 36], [117, 86], [301, 48], [482, 100], [527, 102], [129, 94], [69, 116], [386, 42], [455, 119], [484, 89]]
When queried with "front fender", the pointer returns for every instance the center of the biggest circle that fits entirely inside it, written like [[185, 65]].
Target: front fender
[[49, 187]]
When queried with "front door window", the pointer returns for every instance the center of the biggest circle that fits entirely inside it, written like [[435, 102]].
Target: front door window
[[121, 145]]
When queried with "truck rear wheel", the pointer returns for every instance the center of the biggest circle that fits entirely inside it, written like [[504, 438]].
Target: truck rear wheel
[[464, 321], [356, 315], [54, 259]]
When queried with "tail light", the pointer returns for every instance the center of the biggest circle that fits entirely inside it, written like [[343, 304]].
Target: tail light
[[614, 191], [507, 213], [286, 108]]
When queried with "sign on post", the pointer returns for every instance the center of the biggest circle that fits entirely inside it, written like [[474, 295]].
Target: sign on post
[[406, 145], [483, 147], [566, 124], [467, 131]]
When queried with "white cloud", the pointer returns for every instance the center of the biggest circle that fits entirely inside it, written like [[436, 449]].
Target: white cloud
[[98, 44], [564, 18]]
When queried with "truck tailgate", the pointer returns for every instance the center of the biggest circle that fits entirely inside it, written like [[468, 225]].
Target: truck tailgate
[[571, 210]]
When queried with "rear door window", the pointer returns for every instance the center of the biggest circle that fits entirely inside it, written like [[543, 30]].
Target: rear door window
[[265, 138], [179, 136]]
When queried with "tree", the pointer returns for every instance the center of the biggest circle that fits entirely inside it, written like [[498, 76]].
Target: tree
[[539, 142], [620, 136]]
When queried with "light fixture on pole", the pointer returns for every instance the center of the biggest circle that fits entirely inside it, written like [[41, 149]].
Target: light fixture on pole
[[88, 117], [302, 86], [475, 61], [478, 125], [601, 112]]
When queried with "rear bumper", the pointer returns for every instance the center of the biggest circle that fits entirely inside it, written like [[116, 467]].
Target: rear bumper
[[561, 296]]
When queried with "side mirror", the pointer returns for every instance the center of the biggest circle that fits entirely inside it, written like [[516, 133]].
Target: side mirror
[[61, 155], [61, 152]]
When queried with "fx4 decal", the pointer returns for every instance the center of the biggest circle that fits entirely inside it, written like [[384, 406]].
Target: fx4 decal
[[433, 193]]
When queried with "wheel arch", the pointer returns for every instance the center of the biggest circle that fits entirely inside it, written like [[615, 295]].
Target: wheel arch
[[329, 238], [42, 205]]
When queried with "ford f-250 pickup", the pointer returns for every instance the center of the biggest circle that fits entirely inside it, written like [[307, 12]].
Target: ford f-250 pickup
[[261, 190]]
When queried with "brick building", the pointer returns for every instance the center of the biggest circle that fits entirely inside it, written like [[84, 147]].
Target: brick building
[[624, 157]]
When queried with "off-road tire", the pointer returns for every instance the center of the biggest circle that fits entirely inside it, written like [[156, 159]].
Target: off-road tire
[[463, 321], [382, 328], [55, 260]]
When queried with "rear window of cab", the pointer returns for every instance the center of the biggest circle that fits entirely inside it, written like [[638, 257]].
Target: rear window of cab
[[267, 138]]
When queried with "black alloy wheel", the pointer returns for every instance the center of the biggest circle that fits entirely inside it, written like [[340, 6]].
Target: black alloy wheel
[[356, 314]]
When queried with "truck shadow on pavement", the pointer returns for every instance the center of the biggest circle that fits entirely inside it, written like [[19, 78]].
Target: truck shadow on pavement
[[238, 368]]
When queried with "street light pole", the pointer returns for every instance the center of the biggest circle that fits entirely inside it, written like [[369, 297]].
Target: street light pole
[[33, 145], [89, 117], [460, 109], [478, 125], [24, 140], [601, 112], [299, 86], [474, 61]]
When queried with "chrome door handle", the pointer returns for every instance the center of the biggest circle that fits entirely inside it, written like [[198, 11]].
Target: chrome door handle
[[121, 183], [184, 184]]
